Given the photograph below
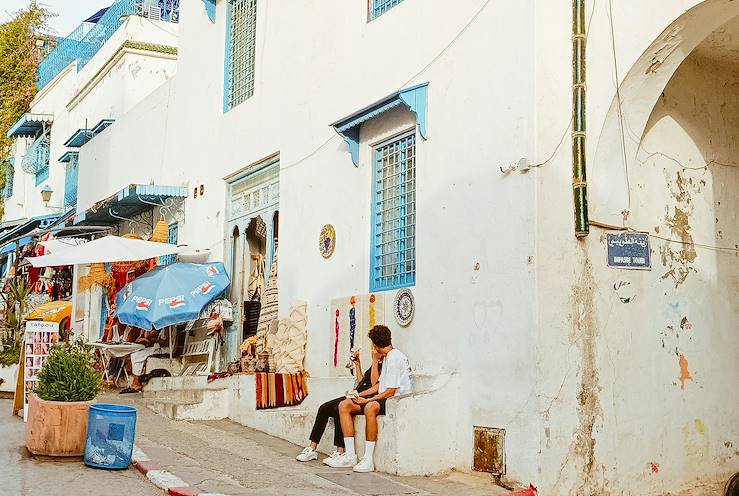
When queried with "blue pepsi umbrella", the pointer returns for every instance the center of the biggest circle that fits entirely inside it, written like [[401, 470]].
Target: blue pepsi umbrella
[[171, 294]]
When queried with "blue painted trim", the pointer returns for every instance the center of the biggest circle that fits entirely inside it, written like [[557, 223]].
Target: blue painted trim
[[376, 284], [79, 138], [12, 246], [102, 126], [415, 98], [42, 175], [67, 157], [42, 220], [227, 61], [29, 125], [210, 9], [149, 191]]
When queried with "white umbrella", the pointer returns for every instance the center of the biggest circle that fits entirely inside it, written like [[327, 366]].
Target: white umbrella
[[106, 249]]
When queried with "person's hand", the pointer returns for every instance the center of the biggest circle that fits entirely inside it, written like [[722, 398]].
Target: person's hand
[[376, 356], [354, 357], [360, 401]]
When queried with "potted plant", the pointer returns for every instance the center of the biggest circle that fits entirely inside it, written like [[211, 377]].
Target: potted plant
[[57, 409]]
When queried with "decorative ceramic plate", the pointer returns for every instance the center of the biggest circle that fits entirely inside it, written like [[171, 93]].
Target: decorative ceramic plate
[[405, 307], [327, 241]]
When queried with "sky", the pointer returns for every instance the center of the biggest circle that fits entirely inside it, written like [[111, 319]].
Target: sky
[[70, 13]]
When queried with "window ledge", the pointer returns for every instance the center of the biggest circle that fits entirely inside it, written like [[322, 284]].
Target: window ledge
[[414, 98]]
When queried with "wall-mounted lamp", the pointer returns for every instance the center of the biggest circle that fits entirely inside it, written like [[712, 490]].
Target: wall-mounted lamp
[[46, 194]]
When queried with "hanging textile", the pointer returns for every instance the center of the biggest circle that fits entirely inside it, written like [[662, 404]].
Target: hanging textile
[[256, 277], [279, 390], [269, 306]]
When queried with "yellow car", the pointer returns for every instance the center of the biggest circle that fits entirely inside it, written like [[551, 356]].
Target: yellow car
[[54, 311]]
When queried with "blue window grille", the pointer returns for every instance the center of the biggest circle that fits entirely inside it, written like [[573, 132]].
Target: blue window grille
[[36, 159], [171, 239], [241, 40], [379, 7], [71, 174], [393, 258], [9, 176], [84, 42]]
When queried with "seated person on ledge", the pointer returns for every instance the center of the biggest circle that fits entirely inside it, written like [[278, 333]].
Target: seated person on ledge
[[330, 409], [394, 379], [154, 342]]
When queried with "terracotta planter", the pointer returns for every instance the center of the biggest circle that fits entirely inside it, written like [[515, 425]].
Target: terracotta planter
[[56, 428]]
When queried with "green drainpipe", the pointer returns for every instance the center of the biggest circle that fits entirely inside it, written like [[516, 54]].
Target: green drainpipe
[[579, 174]]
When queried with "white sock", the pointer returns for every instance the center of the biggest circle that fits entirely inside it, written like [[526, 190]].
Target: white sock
[[349, 446], [369, 449]]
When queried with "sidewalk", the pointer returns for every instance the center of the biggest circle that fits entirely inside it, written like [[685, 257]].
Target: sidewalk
[[223, 457]]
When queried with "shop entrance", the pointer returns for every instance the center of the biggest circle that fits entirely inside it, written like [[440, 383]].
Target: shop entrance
[[253, 216]]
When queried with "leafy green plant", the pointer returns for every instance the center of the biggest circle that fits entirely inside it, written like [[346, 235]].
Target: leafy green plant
[[16, 308], [68, 374], [10, 354]]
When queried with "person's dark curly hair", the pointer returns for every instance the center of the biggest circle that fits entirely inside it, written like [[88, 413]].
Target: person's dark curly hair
[[732, 486], [381, 336]]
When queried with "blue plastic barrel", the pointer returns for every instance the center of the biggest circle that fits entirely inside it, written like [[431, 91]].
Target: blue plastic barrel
[[111, 430]]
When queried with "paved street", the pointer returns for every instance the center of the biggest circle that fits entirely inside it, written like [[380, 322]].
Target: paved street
[[22, 474], [215, 457]]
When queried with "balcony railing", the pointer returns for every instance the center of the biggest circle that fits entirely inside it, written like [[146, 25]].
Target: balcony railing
[[85, 41]]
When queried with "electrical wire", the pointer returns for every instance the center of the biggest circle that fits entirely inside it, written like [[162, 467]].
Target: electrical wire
[[572, 117], [424, 69], [602, 225], [618, 99], [449, 45]]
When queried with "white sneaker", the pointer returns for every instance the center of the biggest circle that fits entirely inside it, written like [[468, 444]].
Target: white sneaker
[[332, 456], [366, 465], [344, 460], [307, 455]]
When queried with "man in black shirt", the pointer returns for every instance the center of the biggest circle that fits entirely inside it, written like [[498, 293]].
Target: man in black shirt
[[330, 409]]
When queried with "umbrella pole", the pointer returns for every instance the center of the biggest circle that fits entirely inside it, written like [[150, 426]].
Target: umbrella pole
[[170, 346]]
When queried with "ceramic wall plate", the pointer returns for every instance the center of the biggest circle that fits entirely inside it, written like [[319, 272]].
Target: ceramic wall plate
[[327, 241], [405, 307]]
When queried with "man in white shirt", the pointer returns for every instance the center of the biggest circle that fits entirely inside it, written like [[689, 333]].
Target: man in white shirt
[[394, 379]]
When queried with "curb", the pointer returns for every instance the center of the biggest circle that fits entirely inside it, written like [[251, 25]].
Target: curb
[[163, 479]]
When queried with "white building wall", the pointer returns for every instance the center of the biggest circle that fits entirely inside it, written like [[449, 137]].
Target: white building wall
[[611, 401], [543, 345], [109, 85]]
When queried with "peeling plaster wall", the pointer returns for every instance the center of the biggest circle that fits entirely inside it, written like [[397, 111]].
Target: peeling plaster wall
[[615, 417]]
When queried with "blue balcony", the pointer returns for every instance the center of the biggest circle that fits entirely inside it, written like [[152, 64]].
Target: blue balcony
[[85, 41]]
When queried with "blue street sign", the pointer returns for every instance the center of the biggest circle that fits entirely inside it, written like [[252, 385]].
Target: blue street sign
[[629, 250]]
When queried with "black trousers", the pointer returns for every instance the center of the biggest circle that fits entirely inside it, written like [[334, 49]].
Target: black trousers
[[328, 410]]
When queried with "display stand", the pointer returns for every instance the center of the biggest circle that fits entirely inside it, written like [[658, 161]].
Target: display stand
[[38, 339]]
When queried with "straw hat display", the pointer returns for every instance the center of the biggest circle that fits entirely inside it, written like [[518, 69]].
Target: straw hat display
[[129, 266], [97, 276]]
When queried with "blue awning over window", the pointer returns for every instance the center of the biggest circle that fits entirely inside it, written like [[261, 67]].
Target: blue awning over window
[[415, 98], [128, 202], [42, 221], [67, 157], [102, 126], [79, 138], [30, 125], [10, 247]]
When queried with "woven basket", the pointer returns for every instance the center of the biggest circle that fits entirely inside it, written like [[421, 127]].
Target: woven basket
[[129, 266], [97, 276], [247, 365], [161, 232], [234, 367]]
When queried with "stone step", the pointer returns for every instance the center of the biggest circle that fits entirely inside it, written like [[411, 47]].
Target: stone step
[[175, 396]]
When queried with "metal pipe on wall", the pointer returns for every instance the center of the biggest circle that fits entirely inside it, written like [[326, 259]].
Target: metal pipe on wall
[[579, 129]]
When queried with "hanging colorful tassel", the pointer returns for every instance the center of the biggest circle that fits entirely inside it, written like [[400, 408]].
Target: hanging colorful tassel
[[372, 321], [352, 321], [336, 341]]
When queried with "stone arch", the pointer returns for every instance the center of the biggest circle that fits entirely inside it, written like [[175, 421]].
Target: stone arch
[[639, 92]]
